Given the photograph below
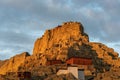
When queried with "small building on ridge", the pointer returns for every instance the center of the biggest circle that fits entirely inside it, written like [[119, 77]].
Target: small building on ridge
[[79, 61]]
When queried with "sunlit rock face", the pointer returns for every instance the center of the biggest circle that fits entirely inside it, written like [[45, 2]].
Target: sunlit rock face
[[57, 42], [13, 63], [70, 40]]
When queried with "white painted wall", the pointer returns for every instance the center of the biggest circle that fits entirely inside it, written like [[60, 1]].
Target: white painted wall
[[74, 71], [79, 74]]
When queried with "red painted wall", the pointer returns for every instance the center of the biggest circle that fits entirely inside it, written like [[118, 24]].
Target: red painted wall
[[79, 61], [53, 62]]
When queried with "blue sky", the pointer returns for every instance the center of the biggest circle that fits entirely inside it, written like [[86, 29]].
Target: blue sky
[[23, 21]]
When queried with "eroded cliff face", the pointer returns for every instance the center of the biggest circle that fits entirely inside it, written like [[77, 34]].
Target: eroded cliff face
[[2, 62], [104, 57], [56, 42], [12, 64]]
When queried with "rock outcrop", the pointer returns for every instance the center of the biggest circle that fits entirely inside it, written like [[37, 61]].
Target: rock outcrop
[[2, 62], [13, 63], [68, 40], [104, 57], [56, 42], [64, 41]]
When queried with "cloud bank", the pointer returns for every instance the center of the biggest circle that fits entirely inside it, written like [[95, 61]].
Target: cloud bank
[[22, 21]]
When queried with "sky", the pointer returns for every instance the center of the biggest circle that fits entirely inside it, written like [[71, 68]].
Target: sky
[[23, 21]]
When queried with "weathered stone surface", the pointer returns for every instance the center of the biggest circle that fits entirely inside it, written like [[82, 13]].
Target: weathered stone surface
[[113, 74], [56, 42], [104, 57], [13, 63], [2, 62], [68, 76]]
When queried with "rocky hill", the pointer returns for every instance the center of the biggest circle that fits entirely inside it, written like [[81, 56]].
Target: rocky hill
[[68, 40], [13, 63], [60, 43], [57, 41]]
